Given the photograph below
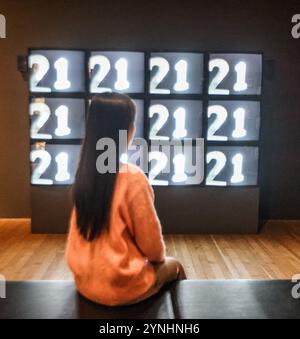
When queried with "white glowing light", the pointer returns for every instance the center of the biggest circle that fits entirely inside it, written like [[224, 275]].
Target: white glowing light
[[241, 84], [223, 67], [42, 111], [62, 82], [122, 70], [239, 116], [221, 117], [179, 166], [163, 115], [39, 170], [161, 162], [180, 130], [39, 65], [124, 158], [62, 167], [237, 162], [181, 82], [163, 69], [104, 68], [62, 113], [220, 159]]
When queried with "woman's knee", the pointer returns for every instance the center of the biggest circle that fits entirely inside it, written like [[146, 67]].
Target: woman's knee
[[175, 265]]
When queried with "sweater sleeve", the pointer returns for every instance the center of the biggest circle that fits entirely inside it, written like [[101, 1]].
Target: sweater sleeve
[[146, 226]]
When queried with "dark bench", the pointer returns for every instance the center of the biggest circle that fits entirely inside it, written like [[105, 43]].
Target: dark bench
[[195, 299]]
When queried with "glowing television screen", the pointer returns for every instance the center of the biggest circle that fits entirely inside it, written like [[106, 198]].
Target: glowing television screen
[[53, 164], [57, 118], [235, 74], [56, 71], [116, 71], [231, 166], [175, 119], [177, 73], [230, 120]]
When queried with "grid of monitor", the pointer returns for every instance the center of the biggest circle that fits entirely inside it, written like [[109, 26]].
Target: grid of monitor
[[178, 96]]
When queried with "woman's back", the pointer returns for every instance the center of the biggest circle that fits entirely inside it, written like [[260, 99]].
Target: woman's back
[[115, 267]]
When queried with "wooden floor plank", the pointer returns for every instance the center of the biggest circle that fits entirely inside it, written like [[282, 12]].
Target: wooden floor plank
[[272, 254]]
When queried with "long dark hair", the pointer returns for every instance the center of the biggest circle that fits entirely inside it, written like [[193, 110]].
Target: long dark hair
[[93, 192]]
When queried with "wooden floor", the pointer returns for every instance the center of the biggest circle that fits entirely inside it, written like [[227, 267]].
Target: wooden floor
[[272, 254]]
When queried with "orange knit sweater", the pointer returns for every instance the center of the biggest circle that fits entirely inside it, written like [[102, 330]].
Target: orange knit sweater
[[116, 268]]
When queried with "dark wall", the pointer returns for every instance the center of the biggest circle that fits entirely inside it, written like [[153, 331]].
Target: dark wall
[[181, 25]]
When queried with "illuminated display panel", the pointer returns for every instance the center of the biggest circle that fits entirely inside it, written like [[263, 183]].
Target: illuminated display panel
[[175, 165], [233, 120], [116, 71], [235, 74], [57, 118], [231, 165], [56, 71], [179, 73], [176, 107], [53, 164], [175, 119]]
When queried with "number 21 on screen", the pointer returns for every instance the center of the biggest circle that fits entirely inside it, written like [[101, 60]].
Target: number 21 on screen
[[221, 114], [121, 67], [163, 115], [220, 162], [44, 157], [41, 112], [231, 165], [163, 68], [223, 67], [40, 66]]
